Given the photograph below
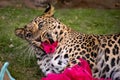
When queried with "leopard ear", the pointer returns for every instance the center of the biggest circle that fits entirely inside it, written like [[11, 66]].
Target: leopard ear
[[49, 11]]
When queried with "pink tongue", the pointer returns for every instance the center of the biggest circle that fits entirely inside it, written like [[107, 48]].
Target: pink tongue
[[49, 48]]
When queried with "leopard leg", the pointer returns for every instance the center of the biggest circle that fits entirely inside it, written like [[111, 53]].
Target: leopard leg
[[115, 73]]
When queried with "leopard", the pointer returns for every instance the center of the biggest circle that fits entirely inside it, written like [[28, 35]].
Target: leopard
[[102, 52]]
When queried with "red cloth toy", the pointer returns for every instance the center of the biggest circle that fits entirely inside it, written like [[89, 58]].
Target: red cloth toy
[[77, 72], [48, 47]]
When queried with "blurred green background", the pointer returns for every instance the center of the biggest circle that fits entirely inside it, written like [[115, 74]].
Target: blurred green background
[[16, 51]]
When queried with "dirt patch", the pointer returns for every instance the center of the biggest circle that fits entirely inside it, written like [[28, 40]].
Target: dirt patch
[[106, 4]]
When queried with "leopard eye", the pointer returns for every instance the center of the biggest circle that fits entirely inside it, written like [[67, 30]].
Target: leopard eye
[[40, 25]]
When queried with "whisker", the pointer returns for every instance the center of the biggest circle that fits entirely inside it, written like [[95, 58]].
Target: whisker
[[33, 52], [29, 56], [26, 53], [21, 46]]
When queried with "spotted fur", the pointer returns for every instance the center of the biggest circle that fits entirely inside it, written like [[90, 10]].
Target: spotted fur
[[101, 51]]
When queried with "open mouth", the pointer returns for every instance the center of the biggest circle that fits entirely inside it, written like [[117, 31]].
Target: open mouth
[[48, 46], [49, 40]]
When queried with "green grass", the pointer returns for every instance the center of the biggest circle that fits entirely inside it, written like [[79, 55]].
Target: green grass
[[23, 67]]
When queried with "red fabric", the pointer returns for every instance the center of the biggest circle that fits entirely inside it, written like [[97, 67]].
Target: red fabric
[[48, 47], [77, 72]]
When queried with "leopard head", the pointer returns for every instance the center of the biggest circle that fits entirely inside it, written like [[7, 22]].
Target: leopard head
[[43, 28]]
